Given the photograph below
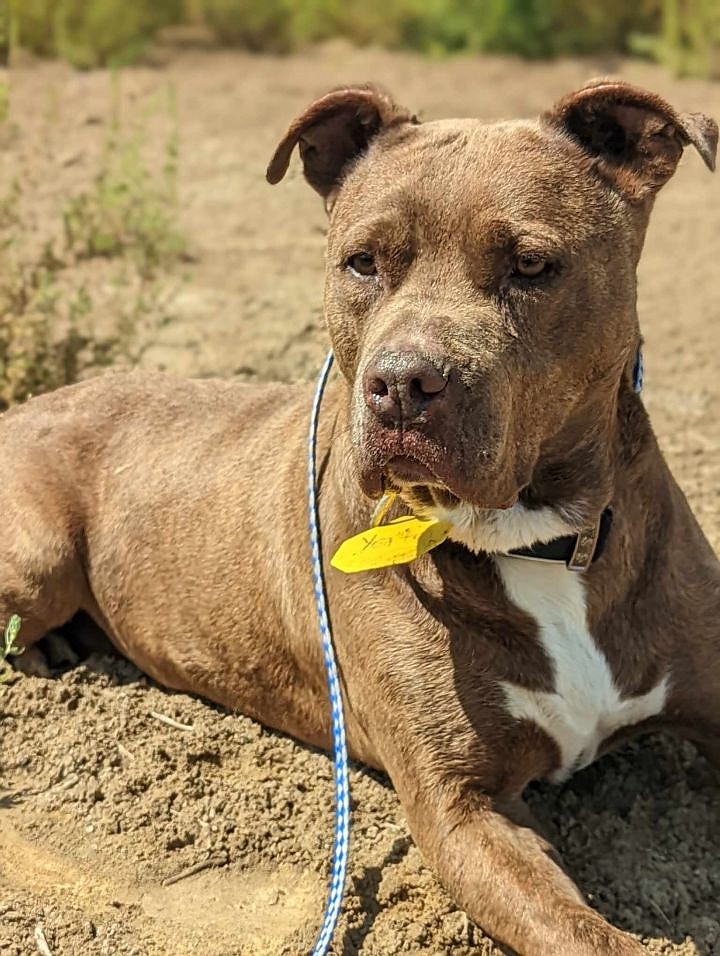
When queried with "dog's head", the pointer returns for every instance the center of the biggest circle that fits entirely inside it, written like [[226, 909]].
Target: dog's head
[[480, 290]]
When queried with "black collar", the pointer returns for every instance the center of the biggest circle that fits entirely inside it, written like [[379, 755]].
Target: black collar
[[577, 551]]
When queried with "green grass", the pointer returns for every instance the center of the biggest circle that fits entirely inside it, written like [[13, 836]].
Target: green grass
[[685, 34], [4, 33], [532, 28], [90, 33], [4, 102], [130, 208], [29, 360], [689, 41]]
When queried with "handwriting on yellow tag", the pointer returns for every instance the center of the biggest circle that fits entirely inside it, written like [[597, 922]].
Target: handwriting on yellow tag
[[397, 542]]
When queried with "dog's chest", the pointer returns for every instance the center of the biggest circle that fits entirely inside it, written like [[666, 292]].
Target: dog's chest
[[585, 706]]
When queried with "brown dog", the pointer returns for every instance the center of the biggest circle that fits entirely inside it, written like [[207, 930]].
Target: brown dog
[[481, 303]]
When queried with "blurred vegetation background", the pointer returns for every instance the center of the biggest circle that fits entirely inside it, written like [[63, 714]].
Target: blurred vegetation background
[[682, 34]]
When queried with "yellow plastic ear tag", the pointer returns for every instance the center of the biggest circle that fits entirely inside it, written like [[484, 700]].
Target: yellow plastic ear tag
[[398, 542]]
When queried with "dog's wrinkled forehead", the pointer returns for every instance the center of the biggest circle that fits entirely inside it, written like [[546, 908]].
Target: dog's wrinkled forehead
[[457, 178]]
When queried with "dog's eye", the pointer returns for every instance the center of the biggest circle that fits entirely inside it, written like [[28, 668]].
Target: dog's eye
[[363, 264], [531, 267]]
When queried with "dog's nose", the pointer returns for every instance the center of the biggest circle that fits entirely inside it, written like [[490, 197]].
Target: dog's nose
[[401, 386]]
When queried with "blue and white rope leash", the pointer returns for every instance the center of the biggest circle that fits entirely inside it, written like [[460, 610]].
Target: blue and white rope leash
[[342, 785], [639, 371]]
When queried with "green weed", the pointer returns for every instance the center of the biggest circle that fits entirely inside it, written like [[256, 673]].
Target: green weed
[[33, 358], [255, 26], [128, 216], [130, 208], [4, 34], [9, 647], [90, 33], [682, 33], [689, 41], [4, 101], [4, 55]]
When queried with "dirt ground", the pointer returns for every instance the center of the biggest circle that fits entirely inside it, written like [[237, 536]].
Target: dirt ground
[[101, 802]]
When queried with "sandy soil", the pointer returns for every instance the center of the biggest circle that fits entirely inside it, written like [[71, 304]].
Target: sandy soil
[[101, 802]]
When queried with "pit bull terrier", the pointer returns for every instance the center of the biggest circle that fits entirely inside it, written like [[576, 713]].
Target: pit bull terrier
[[481, 302]]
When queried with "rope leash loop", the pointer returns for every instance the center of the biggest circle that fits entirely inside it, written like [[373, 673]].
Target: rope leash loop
[[342, 786]]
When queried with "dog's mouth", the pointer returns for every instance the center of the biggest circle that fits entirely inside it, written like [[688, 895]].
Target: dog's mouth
[[429, 485], [406, 469], [447, 464], [428, 498]]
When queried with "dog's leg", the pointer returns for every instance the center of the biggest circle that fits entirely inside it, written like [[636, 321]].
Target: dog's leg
[[694, 705], [505, 878]]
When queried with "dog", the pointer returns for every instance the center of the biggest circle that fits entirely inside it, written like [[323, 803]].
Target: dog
[[481, 301]]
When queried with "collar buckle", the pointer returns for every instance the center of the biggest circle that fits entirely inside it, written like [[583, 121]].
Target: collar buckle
[[585, 547]]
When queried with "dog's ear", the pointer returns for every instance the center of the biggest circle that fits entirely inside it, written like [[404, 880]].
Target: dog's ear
[[634, 137], [333, 131]]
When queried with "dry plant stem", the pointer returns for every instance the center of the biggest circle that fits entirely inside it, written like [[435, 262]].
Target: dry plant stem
[[217, 859], [124, 752], [170, 722], [659, 911], [41, 942]]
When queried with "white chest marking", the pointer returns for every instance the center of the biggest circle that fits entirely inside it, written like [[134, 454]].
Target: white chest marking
[[586, 706]]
